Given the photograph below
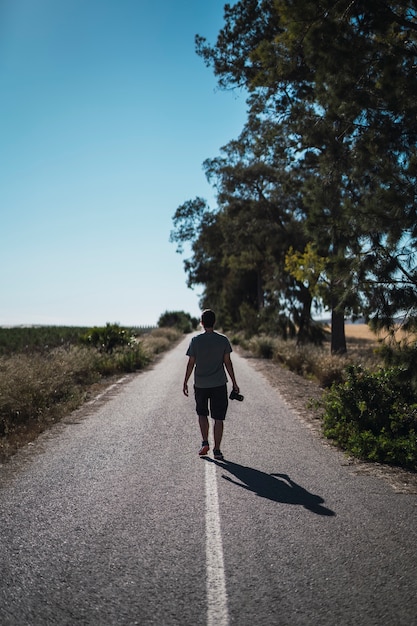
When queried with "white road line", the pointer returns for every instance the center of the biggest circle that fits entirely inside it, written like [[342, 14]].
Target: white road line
[[107, 389], [217, 613]]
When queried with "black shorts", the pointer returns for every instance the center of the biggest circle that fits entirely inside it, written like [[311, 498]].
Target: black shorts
[[218, 401]]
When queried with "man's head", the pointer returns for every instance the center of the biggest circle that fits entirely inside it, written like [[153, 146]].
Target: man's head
[[208, 318]]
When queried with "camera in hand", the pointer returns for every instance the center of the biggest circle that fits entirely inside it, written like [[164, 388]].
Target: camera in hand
[[235, 396]]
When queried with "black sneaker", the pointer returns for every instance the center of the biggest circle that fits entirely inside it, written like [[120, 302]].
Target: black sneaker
[[218, 455]]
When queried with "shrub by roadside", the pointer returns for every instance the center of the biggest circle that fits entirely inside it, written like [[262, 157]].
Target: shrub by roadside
[[373, 415]]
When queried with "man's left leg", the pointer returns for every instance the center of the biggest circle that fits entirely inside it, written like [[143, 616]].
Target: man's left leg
[[204, 426]]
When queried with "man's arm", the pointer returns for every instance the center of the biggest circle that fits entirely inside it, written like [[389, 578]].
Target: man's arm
[[188, 372], [229, 366]]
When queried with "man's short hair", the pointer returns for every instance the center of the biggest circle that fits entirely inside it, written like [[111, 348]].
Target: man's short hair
[[208, 318]]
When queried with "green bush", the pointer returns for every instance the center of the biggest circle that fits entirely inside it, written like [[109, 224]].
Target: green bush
[[373, 415], [179, 320], [403, 357], [123, 359], [107, 338]]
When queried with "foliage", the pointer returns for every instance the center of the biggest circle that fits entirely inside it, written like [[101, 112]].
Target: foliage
[[373, 415], [107, 338], [263, 347], [239, 249], [306, 267], [178, 319], [403, 356], [38, 338], [38, 386], [129, 358]]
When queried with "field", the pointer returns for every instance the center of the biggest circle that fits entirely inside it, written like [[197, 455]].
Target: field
[[363, 332], [359, 331]]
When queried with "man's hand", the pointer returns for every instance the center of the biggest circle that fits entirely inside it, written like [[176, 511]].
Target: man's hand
[[188, 372]]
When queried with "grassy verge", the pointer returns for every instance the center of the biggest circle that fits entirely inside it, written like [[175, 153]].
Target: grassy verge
[[40, 384], [314, 362]]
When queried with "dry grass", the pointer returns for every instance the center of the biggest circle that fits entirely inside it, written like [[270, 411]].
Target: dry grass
[[316, 363], [359, 331], [38, 389], [159, 340]]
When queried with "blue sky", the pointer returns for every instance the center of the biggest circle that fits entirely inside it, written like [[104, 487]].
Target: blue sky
[[106, 116]]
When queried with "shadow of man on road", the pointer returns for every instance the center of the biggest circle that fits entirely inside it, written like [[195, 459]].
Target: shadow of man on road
[[275, 487]]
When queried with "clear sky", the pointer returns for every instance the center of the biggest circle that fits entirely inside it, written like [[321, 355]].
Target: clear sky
[[106, 116]]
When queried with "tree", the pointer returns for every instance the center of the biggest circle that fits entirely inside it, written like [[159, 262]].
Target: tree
[[262, 211], [226, 286], [179, 320], [253, 216], [256, 220], [341, 77]]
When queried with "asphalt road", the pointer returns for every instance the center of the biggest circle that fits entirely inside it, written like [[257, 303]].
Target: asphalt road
[[113, 519]]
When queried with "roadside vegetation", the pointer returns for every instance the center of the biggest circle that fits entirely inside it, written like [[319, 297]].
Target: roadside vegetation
[[369, 401], [368, 405], [47, 372]]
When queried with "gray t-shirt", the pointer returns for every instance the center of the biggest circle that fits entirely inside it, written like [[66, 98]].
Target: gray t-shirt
[[209, 349]]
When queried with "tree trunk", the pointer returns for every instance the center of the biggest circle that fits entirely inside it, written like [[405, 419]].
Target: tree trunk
[[338, 342], [304, 321], [260, 290]]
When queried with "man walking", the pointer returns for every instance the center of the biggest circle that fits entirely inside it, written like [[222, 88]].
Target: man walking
[[209, 353]]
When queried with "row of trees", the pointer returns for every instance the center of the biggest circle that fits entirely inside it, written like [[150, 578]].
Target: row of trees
[[316, 199]]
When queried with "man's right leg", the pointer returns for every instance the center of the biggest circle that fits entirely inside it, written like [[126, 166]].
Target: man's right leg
[[204, 427], [201, 398]]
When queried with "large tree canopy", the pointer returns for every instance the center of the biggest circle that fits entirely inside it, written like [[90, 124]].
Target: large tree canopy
[[328, 156]]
